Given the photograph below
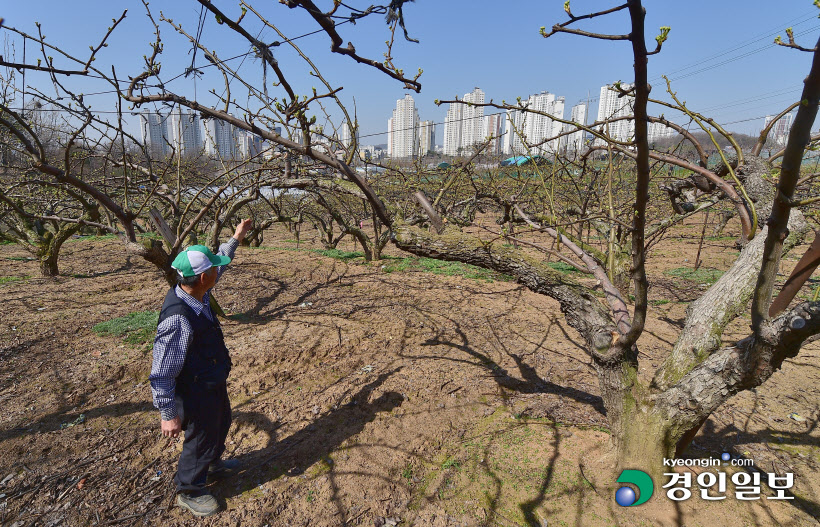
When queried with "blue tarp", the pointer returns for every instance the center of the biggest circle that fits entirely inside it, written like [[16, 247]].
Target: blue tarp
[[522, 160]]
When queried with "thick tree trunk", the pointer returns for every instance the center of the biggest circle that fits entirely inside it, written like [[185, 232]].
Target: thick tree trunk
[[644, 441], [48, 264]]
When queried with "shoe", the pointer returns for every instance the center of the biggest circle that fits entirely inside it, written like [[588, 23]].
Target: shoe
[[201, 506], [222, 468]]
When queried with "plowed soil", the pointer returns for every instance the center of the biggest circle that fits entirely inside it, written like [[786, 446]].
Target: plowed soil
[[361, 397]]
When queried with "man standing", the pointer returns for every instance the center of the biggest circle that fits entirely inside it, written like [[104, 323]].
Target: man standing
[[189, 372]]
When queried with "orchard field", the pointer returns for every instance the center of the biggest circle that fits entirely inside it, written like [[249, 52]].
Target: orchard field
[[408, 390]]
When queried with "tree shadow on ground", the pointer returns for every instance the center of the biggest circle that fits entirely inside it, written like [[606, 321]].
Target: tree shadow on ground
[[292, 455], [713, 440], [61, 419], [532, 383]]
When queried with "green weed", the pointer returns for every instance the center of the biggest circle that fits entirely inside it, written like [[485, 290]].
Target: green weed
[[704, 275], [563, 267], [338, 254], [431, 265], [10, 279], [94, 238], [451, 462], [136, 328]]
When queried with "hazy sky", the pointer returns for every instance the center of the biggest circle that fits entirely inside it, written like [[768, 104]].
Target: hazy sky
[[719, 55]]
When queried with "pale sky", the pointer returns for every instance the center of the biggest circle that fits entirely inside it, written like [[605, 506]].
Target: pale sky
[[719, 54]]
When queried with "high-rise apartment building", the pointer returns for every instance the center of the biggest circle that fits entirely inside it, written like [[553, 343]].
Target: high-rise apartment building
[[530, 132], [472, 132], [779, 134], [464, 125], [493, 127], [220, 138], [427, 138], [403, 129], [659, 131], [514, 121], [452, 129], [154, 132], [347, 135], [248, 145], [575, 140], [611, 106], [186, 132]]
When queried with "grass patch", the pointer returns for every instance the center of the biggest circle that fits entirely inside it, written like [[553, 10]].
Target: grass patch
[[704, 275], [431, 265], [20, 258], [564, 267], [6, 242], [10, 279], [134, 328], [338, 254]]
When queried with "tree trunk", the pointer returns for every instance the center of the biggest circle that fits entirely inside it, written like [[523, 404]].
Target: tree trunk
[[48, 263], [644, 441]]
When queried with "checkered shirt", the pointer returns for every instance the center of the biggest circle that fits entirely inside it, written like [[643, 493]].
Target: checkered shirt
[[174, 336]]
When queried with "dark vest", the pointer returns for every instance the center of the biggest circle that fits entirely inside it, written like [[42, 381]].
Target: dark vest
[[207, 362]]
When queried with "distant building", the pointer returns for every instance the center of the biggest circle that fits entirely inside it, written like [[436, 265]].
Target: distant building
[[427, 137], [530, 132], [220, 139], [452, 129], [659, 131], [464, 125], [248, 145], [575, 140], [779, 134], [186, 131], [403, 129], [154, 132], [611, 106], [347, 135], [493, 128]]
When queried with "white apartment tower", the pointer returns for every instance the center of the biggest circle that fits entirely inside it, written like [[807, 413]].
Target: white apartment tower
[[186, 132], [514, 132], [472, 132], [575, 140], [452, 129], [248, 145], [493, 126], [464, 125], [427, 137], [221, 139], [535, 128], [779, 134], [611, 106], [404, 129], [154, 132], [347, 135]]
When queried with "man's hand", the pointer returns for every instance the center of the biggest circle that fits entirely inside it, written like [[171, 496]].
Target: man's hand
[[242, 229], [171, 428]]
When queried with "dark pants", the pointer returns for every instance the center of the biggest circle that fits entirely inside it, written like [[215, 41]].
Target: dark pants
[[206, 418]]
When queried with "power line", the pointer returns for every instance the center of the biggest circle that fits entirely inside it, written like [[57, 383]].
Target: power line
[[769, 34]]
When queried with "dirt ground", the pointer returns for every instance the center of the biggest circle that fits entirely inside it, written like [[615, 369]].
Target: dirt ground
[[361, 397]]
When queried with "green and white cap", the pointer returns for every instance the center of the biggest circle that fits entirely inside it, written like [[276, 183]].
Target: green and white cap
[[197, 259]]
